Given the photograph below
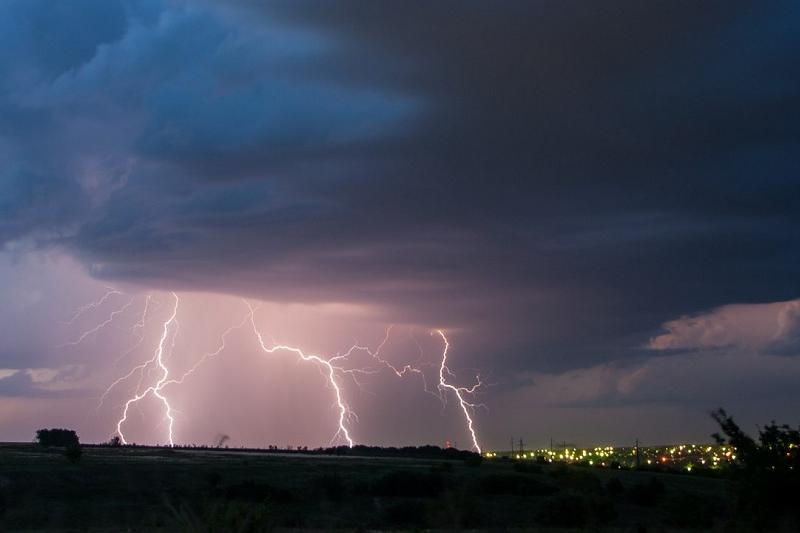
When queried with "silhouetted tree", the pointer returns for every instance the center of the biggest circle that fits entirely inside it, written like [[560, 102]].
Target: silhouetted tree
[[765, 474], [115, 441], [57, 437]]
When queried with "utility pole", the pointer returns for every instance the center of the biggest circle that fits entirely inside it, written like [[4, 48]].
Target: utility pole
[[512, 447], [521, 447], [637, 453]]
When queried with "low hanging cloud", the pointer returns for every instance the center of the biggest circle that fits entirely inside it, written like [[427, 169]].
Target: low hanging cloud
[[771, 327], [62, 382]]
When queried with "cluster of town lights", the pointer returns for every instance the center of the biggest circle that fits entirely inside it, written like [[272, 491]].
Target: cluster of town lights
[[682, 456]]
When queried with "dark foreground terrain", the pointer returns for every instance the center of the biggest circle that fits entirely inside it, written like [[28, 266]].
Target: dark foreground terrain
[[152, 489]]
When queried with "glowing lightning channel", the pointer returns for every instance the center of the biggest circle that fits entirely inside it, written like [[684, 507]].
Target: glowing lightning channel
[[91, 305], [138, 330], [101, 325], [398, 371], [158, 360], [208, 355], [458, 391], [325, 363], [139, 326]]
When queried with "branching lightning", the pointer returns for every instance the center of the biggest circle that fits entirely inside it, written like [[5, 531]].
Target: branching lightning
[[209, 355], [155, 390], [344, 412], [101, 325], [332, 368], [91, 305], [460, 392], [397, 371]]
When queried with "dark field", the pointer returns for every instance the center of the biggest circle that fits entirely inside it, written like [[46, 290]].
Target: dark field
[[151, 489]]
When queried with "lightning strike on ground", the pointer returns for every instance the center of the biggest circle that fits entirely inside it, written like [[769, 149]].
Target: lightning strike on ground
[[329, 367], [155, 390], [466, 406], [330, 370]]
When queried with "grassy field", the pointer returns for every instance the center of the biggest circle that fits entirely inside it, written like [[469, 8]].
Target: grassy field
[[149, 489]]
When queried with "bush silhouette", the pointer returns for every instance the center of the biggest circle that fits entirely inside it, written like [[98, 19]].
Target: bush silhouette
[[57, 437], [765, 474]]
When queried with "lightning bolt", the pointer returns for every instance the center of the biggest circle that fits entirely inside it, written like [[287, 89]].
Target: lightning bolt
[[460, 392], [91, 305], [155, 390], [330, 368], [397, 371], [139, 326], [323, 363], [101, 325], [138, 330], [209, 355]]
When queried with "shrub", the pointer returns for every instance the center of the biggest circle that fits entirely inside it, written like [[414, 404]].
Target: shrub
[[57, 437], [220, 515], [766, 473]]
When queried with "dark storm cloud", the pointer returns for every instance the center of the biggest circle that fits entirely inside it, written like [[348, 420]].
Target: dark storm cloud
[[568, 175]]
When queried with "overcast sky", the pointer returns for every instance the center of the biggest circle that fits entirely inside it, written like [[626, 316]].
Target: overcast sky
[[597, 201]]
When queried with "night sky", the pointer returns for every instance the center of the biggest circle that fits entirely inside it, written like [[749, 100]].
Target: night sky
[[599, 202]]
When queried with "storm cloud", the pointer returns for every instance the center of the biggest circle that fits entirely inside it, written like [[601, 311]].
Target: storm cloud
[[556, 180]]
